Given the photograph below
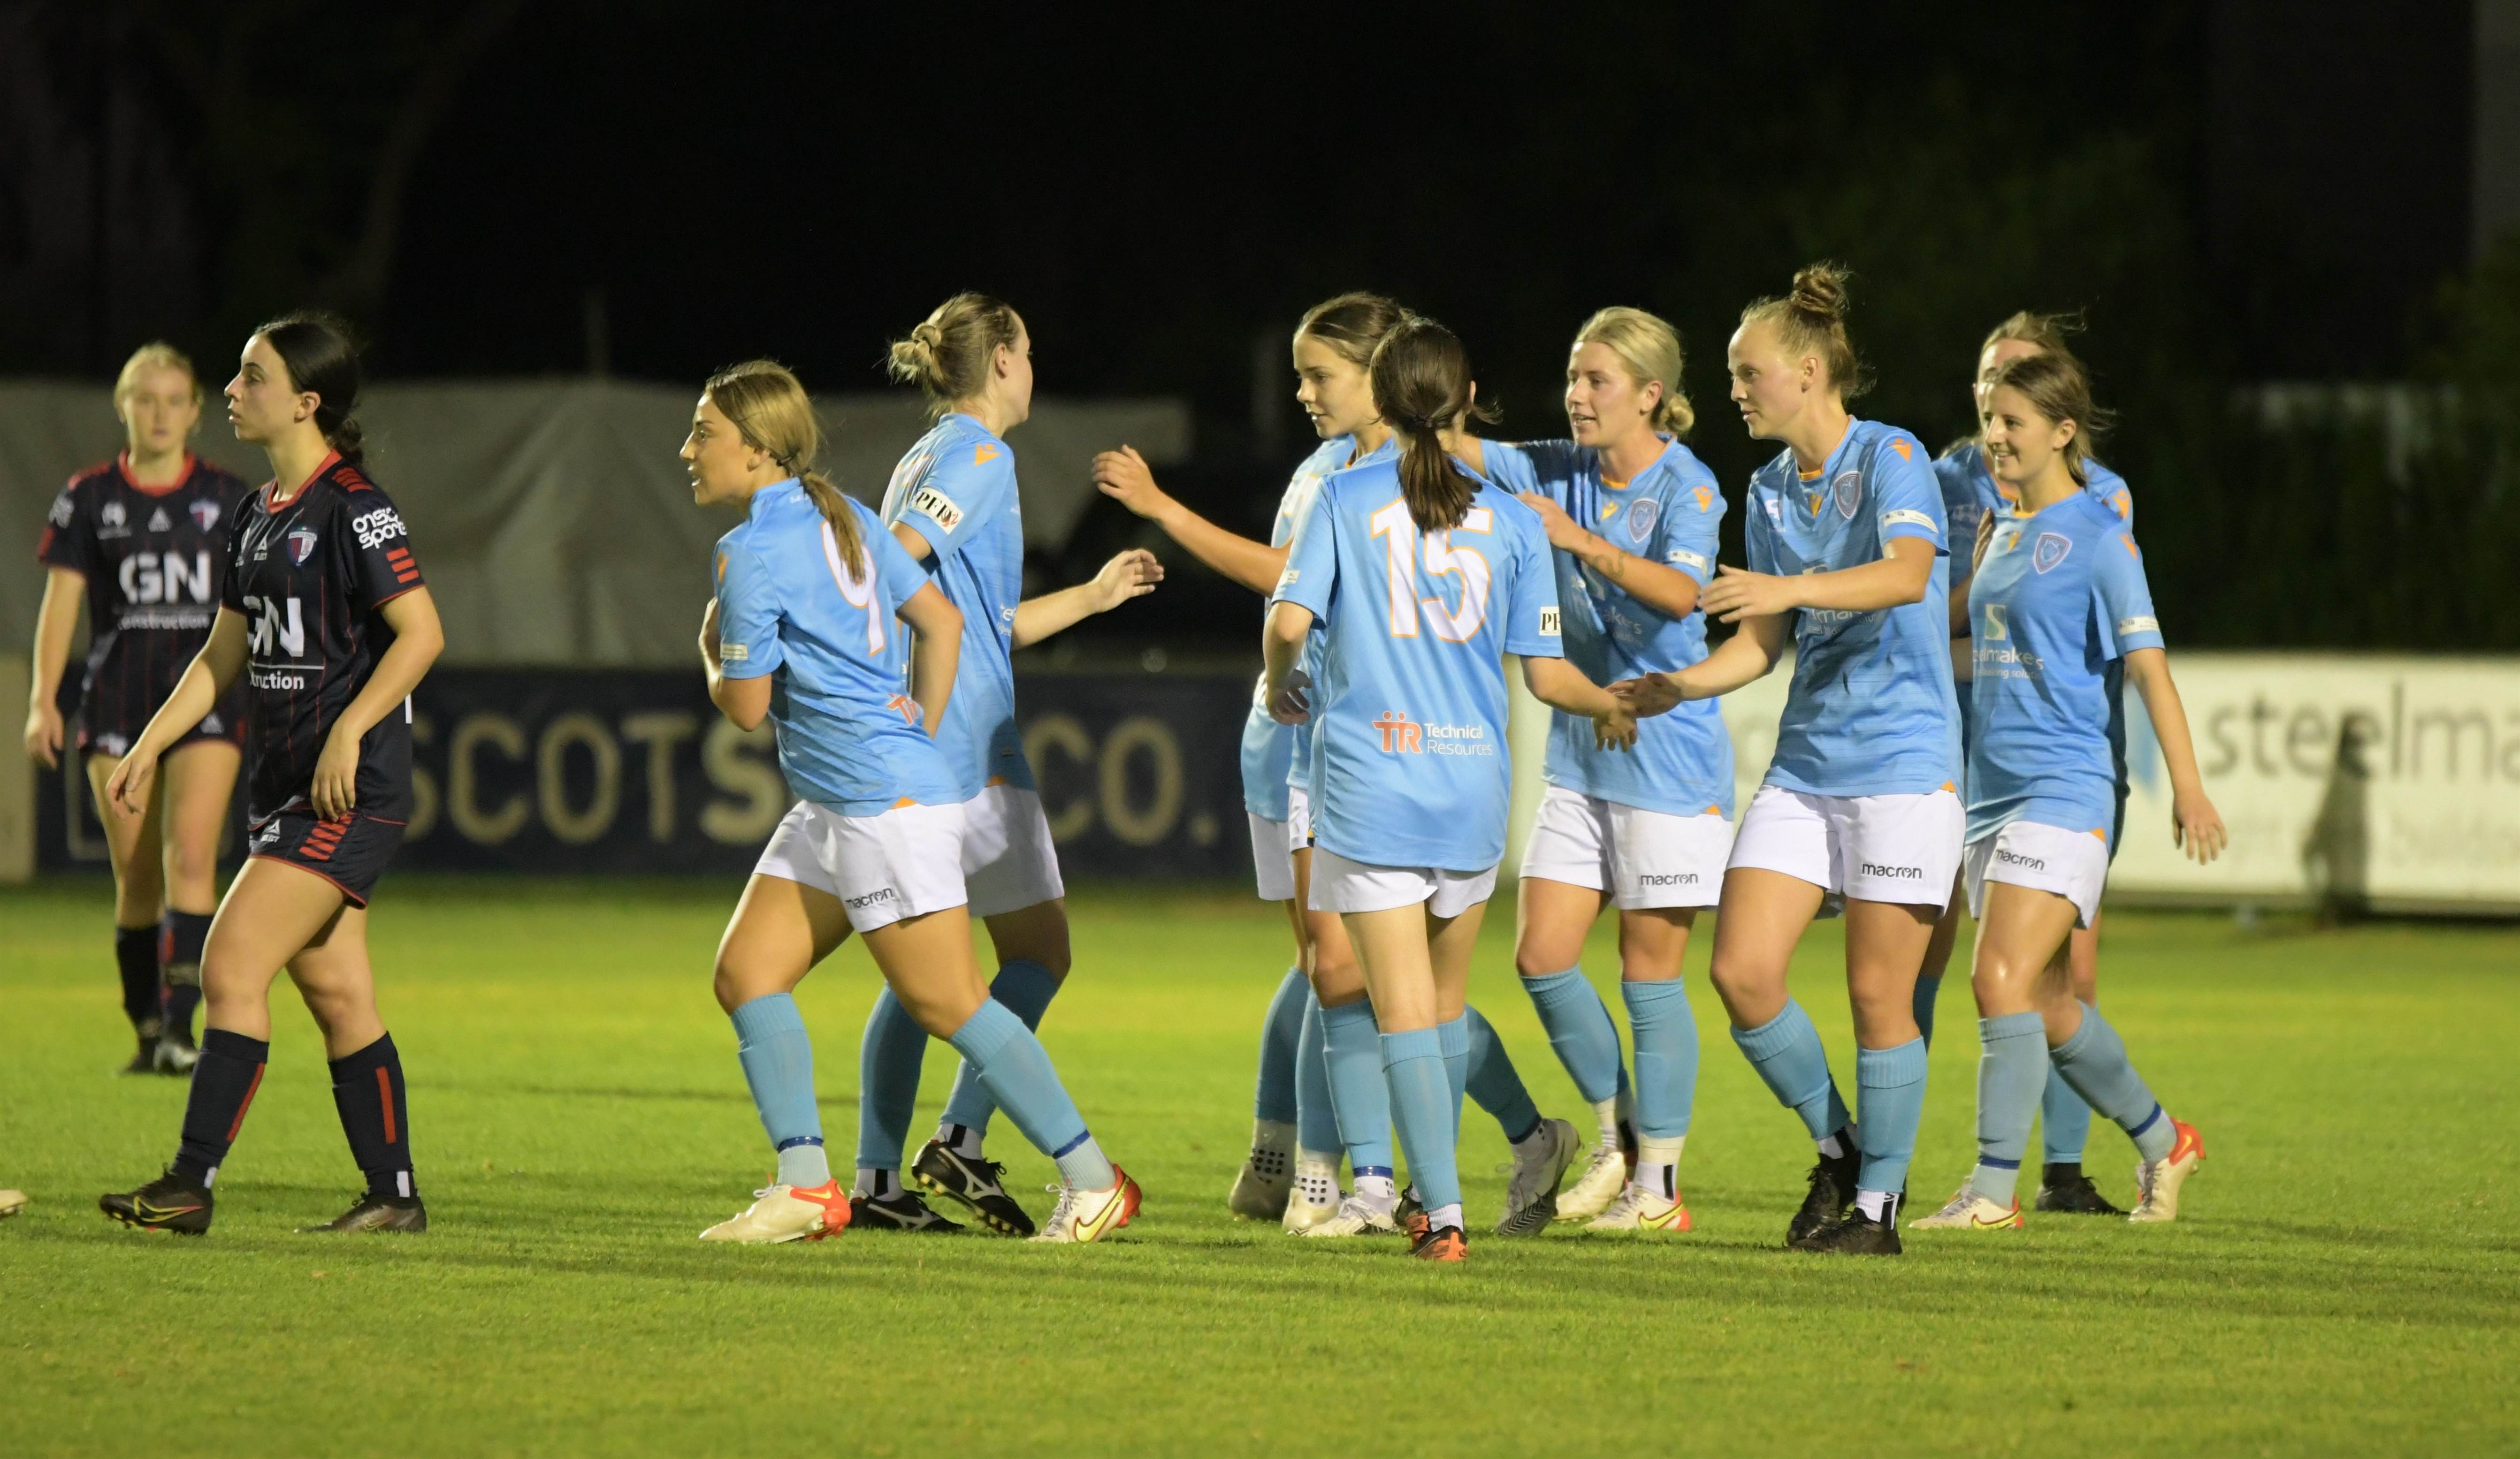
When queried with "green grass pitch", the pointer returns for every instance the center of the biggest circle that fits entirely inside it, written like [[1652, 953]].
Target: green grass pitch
[[2344, 1281]]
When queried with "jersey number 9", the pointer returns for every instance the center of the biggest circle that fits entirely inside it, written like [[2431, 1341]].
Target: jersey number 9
[[858, 591]]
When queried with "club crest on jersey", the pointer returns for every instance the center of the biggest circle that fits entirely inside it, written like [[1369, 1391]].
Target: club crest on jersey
[[1641, 517], [206, 513], [1848, 489], [160, 522], [301, 545], [2049, 550]]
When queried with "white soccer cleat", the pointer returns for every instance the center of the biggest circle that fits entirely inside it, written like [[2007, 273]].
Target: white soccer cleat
[[1260, 1188], [1313, 1198], [1092, 1214], [12, 1202], [2157, 1182], [1640, 1210], [1603, 1179], [1539, 1164], [1357, 1215], [1970, 1211], [783, 1213]]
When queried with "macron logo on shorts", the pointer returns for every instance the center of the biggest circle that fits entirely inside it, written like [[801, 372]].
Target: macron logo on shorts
[[1666, 878], [1895, 874], [880, 894], [2014, 859], [937, 507]]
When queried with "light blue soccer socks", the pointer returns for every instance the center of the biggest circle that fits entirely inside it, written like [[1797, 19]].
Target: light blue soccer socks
[[1921, 1003], [1422, 1098], [1360, 1096], [1580, 1030], [1454, 1039], [2095, 1062], [888, 1062], [2010, 1069], [779, 1064], [1494, 1084], [1315, 1121], [1005, 1056], [1026, 989], [1786, 1052], [1275, 1098], [1666, 1036], [2064, 1121], [1890, 1103]]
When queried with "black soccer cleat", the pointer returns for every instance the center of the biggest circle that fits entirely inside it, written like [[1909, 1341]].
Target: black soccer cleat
[[375, 1213], [146, 1060], [2067, 1189], [1833, 1191], [901, 1210], [1855, 1235], [976, 1183], [169, 1203]]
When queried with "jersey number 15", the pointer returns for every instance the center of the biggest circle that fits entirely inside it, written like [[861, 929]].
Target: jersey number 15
[[1400, 538]]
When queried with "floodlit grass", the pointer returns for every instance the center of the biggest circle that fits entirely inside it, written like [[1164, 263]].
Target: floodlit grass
[[2344, 1281]]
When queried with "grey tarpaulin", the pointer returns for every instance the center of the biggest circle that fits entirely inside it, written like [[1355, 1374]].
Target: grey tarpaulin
[[552, 516]]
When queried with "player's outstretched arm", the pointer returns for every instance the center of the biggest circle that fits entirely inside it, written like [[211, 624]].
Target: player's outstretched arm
[[419, 639], [1903, 573], [1132, 574], [1125, 477], [1742, 659], [2194, 824], [196, 693], [1559, 684], [936, 651], [55, 621], [1657, 585]]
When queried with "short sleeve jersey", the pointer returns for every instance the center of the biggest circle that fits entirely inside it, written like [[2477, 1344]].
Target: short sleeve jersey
[[1682, 764], [956, 488], [152, 557], [1409, 766], [1971, 493], [309, 575], [1269, 748], [2060, 598], [791, 607], [1870, 709]]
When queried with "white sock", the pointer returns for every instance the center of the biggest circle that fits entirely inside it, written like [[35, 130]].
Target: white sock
[[1833, 1147], [1875, 1204], [875, 1184], [1272, 1141], [1445, 1215], [1606, 1118], [1378, 1192], [1317, 1176]]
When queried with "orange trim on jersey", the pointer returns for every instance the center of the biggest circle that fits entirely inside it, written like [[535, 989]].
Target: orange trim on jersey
[[1813, 474], [903, 801], [271, 500], [1954, 789], [995, 780], [1900, 445], [2101, 831]]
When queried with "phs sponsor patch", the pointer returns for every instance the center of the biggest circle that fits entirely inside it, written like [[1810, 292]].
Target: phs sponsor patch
[[2141, 624], [1906, 516], [937, 507], [1549, 623], [732, 653], [1684, 557]]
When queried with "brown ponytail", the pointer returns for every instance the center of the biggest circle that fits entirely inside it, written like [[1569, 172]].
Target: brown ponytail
[[1810, 320], [768, 405], [1423, 387], [948, 354]]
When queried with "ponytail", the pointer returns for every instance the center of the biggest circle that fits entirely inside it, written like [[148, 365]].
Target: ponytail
[[1810, 320], [769, 407], [1422, 388]]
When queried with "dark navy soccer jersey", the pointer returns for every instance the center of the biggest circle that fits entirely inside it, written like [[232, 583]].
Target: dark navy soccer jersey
[[153, 556], [309, 575]]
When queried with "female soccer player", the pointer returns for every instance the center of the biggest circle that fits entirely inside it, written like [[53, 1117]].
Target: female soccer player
[[1424, 576], [1971, 493], [145, 537], [1334, 345], [1632, 516], [1860, 811], [324, 614], [2058, 596], [951, 505], [800, 632]]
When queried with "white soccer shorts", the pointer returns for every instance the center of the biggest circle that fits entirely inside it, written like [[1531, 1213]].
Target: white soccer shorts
[[904, 863], [1007, 860], [1901, 849], [2073, 864], [1340, 885], [1273, 866], [1641, 858], [1299, 819]]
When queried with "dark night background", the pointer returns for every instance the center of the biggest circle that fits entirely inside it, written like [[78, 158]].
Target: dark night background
[[2238, 193]]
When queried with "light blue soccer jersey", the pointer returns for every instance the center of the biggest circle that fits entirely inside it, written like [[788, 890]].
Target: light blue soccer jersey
[[957, 489], [1870, 709], [787, 606], [1682, 764], [1269, 748], [2060, 598], [1300, 758], [1410, 767]]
